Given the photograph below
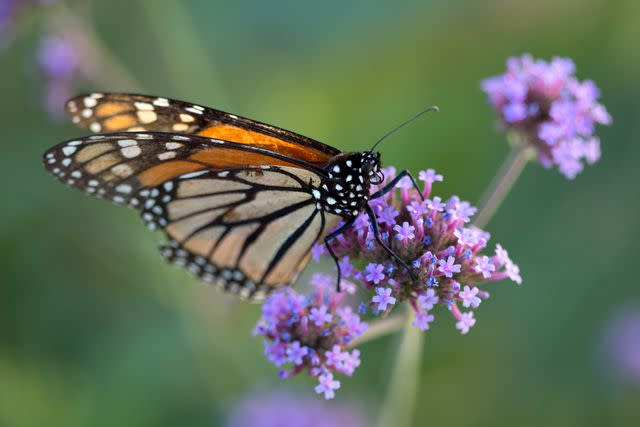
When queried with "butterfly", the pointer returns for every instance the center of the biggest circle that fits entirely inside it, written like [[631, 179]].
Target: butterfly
[[241, 202]]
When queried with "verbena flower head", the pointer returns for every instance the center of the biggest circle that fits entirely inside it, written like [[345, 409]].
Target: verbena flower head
[[289, 410], [312, 334], [544, 105], [434, 237]]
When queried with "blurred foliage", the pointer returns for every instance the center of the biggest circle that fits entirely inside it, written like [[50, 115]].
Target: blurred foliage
[[96, 330]]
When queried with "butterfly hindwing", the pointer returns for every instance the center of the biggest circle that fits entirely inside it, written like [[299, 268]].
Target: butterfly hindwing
[[112, 112], [248, 230]]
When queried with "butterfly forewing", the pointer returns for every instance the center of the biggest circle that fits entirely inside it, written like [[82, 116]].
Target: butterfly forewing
[[113, 112]]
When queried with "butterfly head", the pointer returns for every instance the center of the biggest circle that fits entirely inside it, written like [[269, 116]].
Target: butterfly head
[[371, 169]]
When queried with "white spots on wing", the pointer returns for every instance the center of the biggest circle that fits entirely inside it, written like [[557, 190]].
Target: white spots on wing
[[124, 188], [349, 178], [147, 116], [68, 150], [316, 194], [161, 102], [168, 186], [95, 127], [93, 138], [173, 145], [166, 155], [96, 95], [118, 199], [71, 105], [87, 112], [223, 174], [127, 142], [180, 127], [76, 174], [75, 119], [131, 152], [143, 106], [193, 174], [90, 102], [331, 201], [195, 109], [122, 170], [51, 160], [336, 169], [338, 187], [144, 136], [181, 138], [233, 116], [93, 183], [349, 163], [359, 187], [187, 118], [66, 162]]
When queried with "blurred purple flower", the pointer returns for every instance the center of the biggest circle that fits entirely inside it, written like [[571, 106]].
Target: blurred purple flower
[[446, 255], [64, 64], [312, 334], [547, 107], [621, 345], [293, 410]]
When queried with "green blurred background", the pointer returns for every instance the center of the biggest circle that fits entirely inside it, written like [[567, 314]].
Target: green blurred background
[[95, 329]]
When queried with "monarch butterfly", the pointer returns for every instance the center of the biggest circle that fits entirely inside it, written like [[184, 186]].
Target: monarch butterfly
[[242, 202]]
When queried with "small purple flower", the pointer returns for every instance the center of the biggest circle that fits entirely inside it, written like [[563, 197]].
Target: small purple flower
[[422, 321], [465, 322], [448, 267], [430, 176], [545, 106], [327, 385], [383, 298], [405, 233], [388, 216], [319, 316], [295, 353], [502, 256], [428, 299], [513, 271], [484, 266], [374, 273], [436, 204], [469, 297], [336, 356]]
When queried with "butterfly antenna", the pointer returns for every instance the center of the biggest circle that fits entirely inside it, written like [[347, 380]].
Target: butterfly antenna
[[400, 126]]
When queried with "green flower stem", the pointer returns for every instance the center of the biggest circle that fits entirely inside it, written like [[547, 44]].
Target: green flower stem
[[380, 328], [503, 182], [399, 403]]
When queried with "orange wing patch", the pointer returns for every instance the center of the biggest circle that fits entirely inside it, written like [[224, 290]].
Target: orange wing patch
[[243, 136]]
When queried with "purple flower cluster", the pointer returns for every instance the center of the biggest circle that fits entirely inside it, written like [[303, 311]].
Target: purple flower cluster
[[547, 107], [312, 333], [434, 237], [290, 410]]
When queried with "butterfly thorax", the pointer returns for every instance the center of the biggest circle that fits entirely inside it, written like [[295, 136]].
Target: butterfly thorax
[[346, 190]]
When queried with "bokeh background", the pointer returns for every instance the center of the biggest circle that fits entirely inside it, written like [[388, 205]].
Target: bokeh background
[[96, 330]]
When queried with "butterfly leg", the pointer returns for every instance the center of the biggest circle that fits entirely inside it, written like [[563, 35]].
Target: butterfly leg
[[391, 185], [328, 240], [378, 237]]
